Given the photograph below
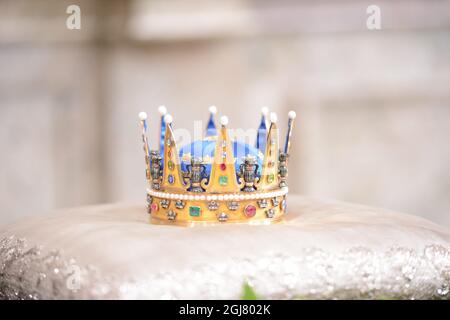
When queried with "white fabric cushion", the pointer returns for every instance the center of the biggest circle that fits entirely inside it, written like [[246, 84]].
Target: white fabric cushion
[[323, 249]]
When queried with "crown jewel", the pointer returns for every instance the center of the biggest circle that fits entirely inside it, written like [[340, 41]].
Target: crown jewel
[[216, 179]]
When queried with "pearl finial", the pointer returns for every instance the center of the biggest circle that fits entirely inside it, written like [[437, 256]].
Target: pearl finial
[[162, 110], [224, 120], [142, 115], [292, 114], [213, 109], [273, 117], [168, 118]]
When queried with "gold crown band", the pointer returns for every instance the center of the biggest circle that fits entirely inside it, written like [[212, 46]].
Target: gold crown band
[[198, 210]]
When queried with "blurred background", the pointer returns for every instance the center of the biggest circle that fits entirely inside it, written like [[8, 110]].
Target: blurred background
[[373, 106]]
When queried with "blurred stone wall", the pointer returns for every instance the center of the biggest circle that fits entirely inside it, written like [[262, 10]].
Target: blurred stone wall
[[373, 106]]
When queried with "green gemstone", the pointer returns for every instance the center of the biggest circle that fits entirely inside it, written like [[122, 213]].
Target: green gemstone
[[223, 180], [270, 178], [171, 165], [194, 211]]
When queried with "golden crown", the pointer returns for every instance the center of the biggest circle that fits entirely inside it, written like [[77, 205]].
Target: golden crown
[[215, 179]]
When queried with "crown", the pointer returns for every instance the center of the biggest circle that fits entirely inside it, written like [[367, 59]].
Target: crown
[[216, 179]]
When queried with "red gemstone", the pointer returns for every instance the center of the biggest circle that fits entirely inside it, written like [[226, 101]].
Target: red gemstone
[[223, 166], [250, 211], [154, 207]]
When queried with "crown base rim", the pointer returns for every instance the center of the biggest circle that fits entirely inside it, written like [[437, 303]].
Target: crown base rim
[[193, 212], [204, 223]]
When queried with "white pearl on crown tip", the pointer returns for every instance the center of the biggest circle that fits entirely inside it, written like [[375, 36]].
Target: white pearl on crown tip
[[142, 115], [265, 111], [224, 120], [292, 114], [273, 117], [162, 110], [213, 109], [168, 118]]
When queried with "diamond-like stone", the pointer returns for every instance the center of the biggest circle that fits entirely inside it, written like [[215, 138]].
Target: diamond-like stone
[[270, 213], [283, 205], [233, 205], [165, 203], [213, 205], [222, 217], [275, 201], [155, 186], [262, 203], [179, 204], [171, 215]]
